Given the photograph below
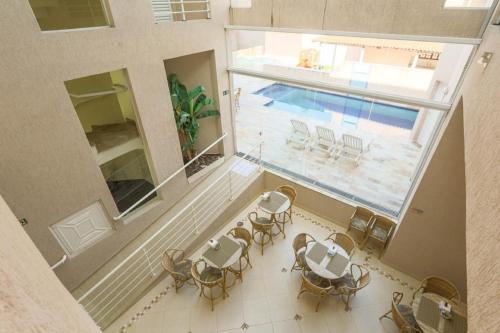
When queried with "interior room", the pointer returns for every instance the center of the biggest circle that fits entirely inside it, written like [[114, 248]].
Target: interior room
[[105, 107], [249, 166], [69, 14]]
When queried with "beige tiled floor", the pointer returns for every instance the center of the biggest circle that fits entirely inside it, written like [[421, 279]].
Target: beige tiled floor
[[383, 176], [266, 299]]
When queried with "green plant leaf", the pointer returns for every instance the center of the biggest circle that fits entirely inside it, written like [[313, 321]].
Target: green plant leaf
[[195, 92], [207, 113], [202, 102]]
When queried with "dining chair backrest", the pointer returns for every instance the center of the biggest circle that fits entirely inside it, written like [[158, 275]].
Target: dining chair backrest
[[344, 241], [397, 316], [361, 277], [289, 191], [440, 286], [254, 217], [313, 287], [384, 223], [170, 258], [364, 213], [300, 241], [241, 233], [197, 270]]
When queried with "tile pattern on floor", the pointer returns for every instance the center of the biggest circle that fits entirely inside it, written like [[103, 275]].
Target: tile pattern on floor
[[266, 299]]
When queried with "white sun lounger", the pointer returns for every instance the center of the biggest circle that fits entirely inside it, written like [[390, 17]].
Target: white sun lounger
[[325, 141], [300, 134], [352, 147]]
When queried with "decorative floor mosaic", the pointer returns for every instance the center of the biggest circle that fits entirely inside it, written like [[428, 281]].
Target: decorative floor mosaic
[[367, 305]]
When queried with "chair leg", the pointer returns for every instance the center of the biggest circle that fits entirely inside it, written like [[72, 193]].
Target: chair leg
[[247, 257], [262, 245], [177, 286], [385, 315], [212, 298], [301, 292], [241, 273], [347, 308], [294, 266], [317, 305], [363, 243]]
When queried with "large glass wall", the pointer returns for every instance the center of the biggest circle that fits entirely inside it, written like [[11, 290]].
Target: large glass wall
[[325, 107], [414, 69], [104, 105], [362, 149]]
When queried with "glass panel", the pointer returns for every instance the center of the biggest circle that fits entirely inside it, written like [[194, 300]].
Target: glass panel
[[105, 108], [408, 68], [361, 149], [69, 14]]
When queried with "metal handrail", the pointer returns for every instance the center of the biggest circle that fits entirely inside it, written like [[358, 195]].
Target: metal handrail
[[370, 93], [60, 262], [168, 179], [167, 224]]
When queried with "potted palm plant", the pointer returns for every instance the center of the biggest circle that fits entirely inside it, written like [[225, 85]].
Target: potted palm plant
[[189, 107]]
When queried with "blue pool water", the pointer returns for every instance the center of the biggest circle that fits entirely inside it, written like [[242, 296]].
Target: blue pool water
[[320, 105]]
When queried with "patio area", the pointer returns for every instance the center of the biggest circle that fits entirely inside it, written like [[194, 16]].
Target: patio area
[[266, 300], [382, 178]]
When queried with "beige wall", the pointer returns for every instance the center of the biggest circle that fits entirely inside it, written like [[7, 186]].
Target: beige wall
[[32, 298], [433, 242], [48, 171], [481, 94], [312, 199], [422, 17]]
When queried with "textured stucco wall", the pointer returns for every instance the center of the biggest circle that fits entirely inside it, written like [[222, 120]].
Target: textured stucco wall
[[433, 242], [32, 298], [481, 94], [422, 17], [48, 171]]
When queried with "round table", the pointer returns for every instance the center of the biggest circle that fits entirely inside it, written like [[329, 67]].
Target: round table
[[458, 308], [320, 269], [225, 266], [273, 210]]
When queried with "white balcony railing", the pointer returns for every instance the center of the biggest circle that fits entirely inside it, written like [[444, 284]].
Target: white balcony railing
[[180, 10], [119, 288]]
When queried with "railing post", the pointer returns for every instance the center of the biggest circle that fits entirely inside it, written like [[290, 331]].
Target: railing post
[[260, 151], [195, 222], [183, 11], [209, 16], [230, 186], [153, 274]]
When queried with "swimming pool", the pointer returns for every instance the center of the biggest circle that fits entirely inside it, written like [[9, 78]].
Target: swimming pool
[[320, 105]]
